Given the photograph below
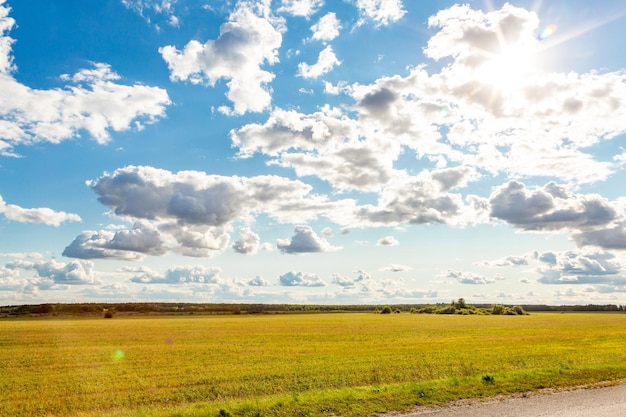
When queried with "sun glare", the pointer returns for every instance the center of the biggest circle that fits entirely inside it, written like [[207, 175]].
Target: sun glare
[[508, 69]]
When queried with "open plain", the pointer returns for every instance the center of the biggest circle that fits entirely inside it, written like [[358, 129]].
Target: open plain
[[348, 364]]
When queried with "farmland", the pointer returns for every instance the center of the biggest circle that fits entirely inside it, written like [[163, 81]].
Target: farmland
[[295, 365]]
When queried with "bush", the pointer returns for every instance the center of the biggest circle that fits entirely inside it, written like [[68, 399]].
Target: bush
[[519, 310], [108, 314], [386, 310], [498, 309], [488, 379]]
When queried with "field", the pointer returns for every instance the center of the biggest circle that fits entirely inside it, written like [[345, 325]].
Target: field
[[295, 365]]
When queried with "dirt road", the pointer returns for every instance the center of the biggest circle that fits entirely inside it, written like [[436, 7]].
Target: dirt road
[[596, 402]]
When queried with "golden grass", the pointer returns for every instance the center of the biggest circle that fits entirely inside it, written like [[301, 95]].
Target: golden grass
[[290, 365]]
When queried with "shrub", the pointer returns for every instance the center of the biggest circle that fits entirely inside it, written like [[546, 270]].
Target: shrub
[[488, 379], [498, 309], [108, 314], [519, 310], [386, 310]]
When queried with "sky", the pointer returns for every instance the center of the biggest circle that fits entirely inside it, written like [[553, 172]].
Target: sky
[[312, 151]]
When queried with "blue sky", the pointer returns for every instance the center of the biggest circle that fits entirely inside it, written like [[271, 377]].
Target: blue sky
[[309, 151]]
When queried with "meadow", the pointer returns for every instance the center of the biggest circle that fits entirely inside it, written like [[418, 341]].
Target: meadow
[[348, 364]]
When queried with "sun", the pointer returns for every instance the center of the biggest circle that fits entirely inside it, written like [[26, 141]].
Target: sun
[[508, 69]]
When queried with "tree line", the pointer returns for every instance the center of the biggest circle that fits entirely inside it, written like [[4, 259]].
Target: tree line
[[157, 308]]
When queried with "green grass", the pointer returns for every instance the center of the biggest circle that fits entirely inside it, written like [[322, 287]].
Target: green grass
[[295, 365]]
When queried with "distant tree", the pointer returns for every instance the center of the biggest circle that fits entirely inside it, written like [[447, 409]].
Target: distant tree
[[498, 309], [460, 303], [386, 310]]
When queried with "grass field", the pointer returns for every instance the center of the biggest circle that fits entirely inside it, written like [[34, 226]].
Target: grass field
[[295, 365]]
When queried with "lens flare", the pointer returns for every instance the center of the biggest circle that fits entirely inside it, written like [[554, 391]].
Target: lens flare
[[548, 31], [118, 355]]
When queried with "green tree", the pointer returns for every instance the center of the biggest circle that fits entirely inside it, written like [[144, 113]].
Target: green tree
[[386, 310]]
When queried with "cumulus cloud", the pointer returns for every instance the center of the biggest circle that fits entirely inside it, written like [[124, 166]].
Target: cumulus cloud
[[420, 199], [248, 242], [581, 267], [52, 272], [299, 279], [326, 61], [179, 275], [249, 40], [382, 12], [132, 244], [258, 281], [387, 241], [326, 144], [42, 215], [93, 102], [468, 277], [304, 241], [362, 279], [304, 8], [342, 281], [193, 212], [549, 208], [607, 238], [510, 261], [327, 28], [328, 232]]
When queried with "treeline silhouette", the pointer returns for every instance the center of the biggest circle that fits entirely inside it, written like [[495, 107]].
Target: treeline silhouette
[[155, 308]]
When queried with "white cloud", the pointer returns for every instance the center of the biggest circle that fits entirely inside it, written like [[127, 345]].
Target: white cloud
[[299, 279], [52, 272], [549, 208], [468, 277], [289, 129], [418, 200], [41, 215], [6, 24], [249, 39], [304, 8], [123, 244], [613, 237], [581, 267], [328, 232], [22, 255], [509, 261], [387, 241], [326, 61], [93, 103], [383, 12], [258, 281], [304, 241], [248, 242], [342, 281], [180, 275], [190, 212], [150, 10], [327, 28], [396, 268]]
